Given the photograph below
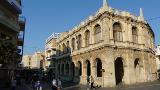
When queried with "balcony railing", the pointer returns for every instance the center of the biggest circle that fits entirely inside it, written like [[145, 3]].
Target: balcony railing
[[9, 23], [15, 5], [22, 21]]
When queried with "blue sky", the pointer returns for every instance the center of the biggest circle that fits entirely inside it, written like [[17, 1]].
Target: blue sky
[[47, 16]]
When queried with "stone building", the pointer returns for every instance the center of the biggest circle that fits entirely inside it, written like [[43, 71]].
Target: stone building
[[50, 53], [35, 61], [112, 46], [158, 57]]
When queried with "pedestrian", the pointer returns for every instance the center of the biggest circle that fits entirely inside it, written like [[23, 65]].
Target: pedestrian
[[38, 85], [92, 82], [54, 84], [59, 84], [13, 84]]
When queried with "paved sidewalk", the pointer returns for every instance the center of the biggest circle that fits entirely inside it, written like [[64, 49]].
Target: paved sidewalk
[[139, 86], [23, 86]]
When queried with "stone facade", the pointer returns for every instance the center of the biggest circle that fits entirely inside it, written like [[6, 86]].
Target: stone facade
[[35, 61], [112, 46], [158, 57]]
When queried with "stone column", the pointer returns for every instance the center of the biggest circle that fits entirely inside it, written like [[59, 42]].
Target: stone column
[[111, 31], [124, 31], [93, 68], [92, 35], [105, 30], [108, 78], [129, 30], [84, 73]]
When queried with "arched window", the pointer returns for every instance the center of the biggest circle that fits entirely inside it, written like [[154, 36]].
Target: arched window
[[136, 63], [97, 33], [99, 68], [73, 43], [64, 48], [68, 48], [79, 42], [117, 32], [134, 35], [79, 68], [88, 67], [87, 37]]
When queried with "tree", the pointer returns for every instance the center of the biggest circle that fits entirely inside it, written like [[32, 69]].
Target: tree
[[8, 53]]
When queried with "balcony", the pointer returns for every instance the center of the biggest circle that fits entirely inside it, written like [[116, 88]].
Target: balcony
[[9, 23], [52, 57], [22, 21], [20, 40], [15, 5]]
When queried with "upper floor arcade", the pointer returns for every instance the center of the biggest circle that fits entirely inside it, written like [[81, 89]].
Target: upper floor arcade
[[108, 27]]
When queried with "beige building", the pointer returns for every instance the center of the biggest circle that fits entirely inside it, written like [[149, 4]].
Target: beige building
[[50, 53], [35, 61], [158, 57], [112, 46]]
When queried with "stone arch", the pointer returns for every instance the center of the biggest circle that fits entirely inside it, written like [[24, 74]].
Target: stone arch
[[79, 41], [79, 68], [68, 47], [64, 48], [88, 67], [117, 32], [135, 34], [99, 67], [97, 33], [73, 44], [119, 70], [73, 70], [137, 69], [87, 38]]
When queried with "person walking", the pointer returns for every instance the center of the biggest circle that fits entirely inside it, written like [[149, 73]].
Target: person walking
[[13, 84], [54, 84], [59, 84], [92, 82], [38, 85]]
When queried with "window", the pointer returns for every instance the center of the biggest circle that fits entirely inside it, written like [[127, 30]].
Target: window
[[87, 37], [64, 48], [80, 68], [97, 34], [134, 35], [99, 68], [117, 32], [73, 43], [79, 42], [68, 48]]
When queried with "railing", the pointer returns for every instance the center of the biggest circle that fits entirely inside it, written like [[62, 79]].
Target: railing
[[9, 23], [22, 19], [20, 37], [15, 5]]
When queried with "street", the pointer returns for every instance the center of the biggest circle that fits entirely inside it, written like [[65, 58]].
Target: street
[[144, 86]]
